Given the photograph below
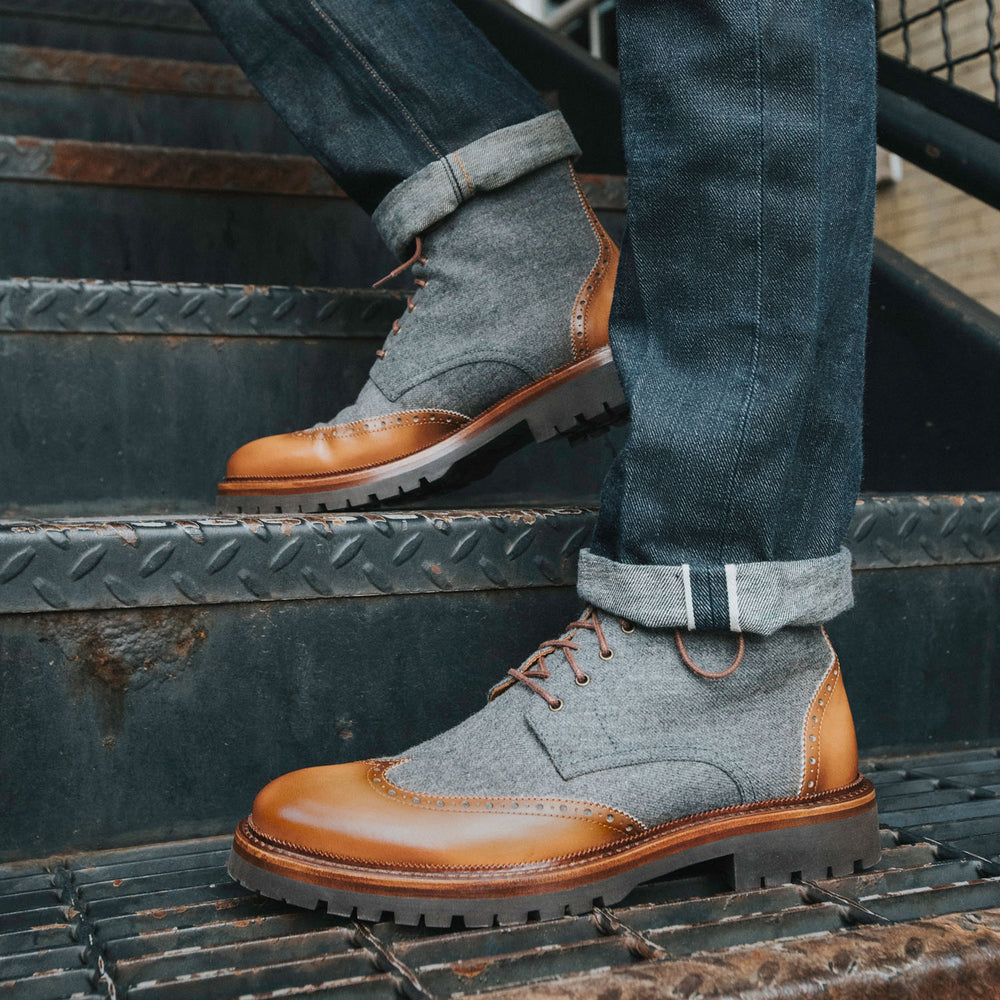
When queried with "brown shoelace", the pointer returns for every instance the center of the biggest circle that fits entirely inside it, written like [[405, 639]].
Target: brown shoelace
[[417, 258], [536, 669]]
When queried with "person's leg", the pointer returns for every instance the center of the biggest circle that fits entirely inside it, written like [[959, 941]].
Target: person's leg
[[698, 711], [739, 314], [422, 121]]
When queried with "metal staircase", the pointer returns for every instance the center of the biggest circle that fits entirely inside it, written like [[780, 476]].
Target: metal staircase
[[167, 254]]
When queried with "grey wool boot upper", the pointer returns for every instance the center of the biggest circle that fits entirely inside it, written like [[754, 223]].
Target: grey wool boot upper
[[614, 755], [497, 282], [655, 727], [507, 326]]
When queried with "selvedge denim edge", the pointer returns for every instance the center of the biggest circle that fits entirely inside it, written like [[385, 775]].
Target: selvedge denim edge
[[759, 597]]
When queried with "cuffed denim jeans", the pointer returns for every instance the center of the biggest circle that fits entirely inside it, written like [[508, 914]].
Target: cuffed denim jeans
[[739, 314]]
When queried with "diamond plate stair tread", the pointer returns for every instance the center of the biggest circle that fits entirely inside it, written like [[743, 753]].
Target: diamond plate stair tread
[[54, 305], [114, 563], [212, 939]]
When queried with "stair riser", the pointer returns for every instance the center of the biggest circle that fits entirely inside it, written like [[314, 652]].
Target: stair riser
[[142, 721], [163, 235], [160, 213], [95, 420], [163, 382], [146, 424], [111, 115], [134, 725]]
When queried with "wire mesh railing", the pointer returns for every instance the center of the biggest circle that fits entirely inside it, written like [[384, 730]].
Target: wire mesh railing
[[954, 40]]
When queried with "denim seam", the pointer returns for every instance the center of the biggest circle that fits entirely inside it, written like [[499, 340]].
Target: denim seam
[[758, 284], [762, 597], [378, 79], [489, 163], [453, 180], [795, 544]]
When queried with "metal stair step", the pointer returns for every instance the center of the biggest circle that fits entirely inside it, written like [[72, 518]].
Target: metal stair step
[[144, 654], [180, 214], [76, 94], [215, 940], [159, 383]]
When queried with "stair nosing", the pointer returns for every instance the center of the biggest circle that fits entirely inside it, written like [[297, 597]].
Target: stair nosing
[[28, 158], [94, 563], [46, 65], [158, 308]]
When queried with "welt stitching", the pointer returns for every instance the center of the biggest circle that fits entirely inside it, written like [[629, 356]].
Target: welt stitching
[[843, 793], [373, 465], [378, 79]]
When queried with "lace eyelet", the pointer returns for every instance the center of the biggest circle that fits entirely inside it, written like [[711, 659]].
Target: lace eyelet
[[583, 681], [610, 656], [557, 706], [627, 627]]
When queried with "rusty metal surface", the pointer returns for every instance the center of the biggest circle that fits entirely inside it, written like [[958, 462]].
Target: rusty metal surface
[[114, 563], [41, 64], [42, 305], [34, 158], [164, 921], [31, 158], [957, 956]]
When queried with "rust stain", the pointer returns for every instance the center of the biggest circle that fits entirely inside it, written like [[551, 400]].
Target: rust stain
[[469, 970], [118, 165], [98, 69], [112, 654], [930, 959]]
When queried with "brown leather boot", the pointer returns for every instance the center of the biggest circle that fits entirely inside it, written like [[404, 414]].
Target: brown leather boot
[[508, 331], [614, 755]]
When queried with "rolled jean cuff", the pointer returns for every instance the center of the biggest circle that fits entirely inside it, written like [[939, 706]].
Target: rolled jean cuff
[[493, 161], [742, 597]]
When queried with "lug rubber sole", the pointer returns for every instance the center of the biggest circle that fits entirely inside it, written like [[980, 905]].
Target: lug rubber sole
[[762, 845], [583, 399]]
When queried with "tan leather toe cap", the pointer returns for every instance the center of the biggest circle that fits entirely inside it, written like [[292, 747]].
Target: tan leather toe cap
[[356, 813], [341, 448]]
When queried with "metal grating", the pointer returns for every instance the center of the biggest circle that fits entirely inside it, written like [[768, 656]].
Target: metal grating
[[955, 40], [164, 921]]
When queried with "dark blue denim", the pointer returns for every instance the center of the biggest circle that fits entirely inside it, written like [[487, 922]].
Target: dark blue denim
[[740, 308], [739, 316], [374, 89]]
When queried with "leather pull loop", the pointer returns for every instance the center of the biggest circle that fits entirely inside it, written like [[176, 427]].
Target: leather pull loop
[[695, 669]]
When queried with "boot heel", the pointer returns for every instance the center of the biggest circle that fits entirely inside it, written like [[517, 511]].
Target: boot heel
[[817, 851], [592, 400]]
